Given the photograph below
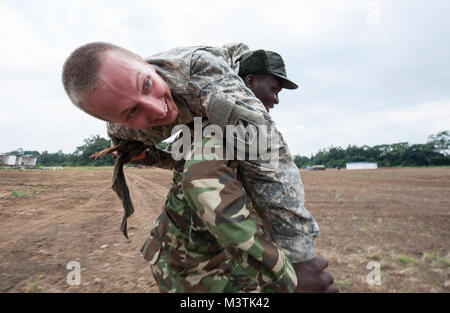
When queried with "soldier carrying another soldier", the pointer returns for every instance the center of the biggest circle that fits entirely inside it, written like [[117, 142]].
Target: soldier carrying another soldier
[[227, 226]]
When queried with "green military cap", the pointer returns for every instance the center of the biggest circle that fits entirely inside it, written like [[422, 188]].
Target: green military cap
[[265, 62]]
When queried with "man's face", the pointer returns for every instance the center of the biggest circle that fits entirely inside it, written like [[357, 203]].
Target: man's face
[[266, 89], [131, 93]]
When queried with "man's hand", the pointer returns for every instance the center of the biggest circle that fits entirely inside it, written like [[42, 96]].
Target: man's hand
[[137, 155], [312, 278]]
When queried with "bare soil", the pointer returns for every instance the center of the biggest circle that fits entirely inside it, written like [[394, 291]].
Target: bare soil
[[398, 218]]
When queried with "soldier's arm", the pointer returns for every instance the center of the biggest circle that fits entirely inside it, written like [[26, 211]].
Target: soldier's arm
[[213, 191]]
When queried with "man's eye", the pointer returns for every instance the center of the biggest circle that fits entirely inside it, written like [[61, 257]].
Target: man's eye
[[146, 83], [132, 112]]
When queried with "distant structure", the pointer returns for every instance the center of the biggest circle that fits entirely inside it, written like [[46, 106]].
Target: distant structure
[[29, 161], [361, 166], [318, 167], [6, 159], [17, 160]]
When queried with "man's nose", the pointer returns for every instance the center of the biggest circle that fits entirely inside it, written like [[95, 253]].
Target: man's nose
[[276, 101], [156, 108]]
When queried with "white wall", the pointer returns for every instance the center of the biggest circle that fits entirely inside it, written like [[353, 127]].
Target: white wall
[[8, 159], [29, 161], [361, 166]]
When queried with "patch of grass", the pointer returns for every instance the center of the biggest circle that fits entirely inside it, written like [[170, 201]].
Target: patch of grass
[[344, 282], [386, 264], [384, 276], [34, 285], [443, 260], [364, 229], [436, 258], [404, 259], [19, 194], [376, 255]]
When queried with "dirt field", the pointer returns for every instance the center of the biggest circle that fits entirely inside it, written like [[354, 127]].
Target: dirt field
[[399, 218]]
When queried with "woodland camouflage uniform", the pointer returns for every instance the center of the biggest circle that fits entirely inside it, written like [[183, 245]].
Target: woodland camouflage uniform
[[207, 238]]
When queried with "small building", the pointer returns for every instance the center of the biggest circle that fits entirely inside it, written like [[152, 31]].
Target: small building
[[318, 167], [361, 166], [18, 160], [6, 159], [29, 161]]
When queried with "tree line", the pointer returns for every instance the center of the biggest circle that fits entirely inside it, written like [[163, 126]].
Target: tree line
[[80, 157], [434, 152]]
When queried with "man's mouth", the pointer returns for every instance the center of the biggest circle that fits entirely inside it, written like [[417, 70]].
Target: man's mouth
[[166, 111]]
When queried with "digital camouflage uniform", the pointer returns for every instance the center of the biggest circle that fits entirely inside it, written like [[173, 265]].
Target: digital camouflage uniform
[[203, 81]]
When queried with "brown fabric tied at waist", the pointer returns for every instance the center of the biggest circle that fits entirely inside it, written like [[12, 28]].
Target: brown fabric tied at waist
[[119, 184]]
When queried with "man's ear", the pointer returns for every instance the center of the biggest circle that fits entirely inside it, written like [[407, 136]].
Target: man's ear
[[250, 81]]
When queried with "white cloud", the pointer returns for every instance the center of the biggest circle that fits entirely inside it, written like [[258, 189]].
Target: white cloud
[[358, 84]]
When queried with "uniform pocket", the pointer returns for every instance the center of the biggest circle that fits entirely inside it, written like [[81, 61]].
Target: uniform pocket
[[151, 250]]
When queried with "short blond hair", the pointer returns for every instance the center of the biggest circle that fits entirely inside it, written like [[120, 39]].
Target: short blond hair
[[80, 70]]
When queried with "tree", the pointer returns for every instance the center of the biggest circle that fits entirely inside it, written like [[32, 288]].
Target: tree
[[301, 161], [17, 152], [434, 152], [441, 142], [92, 145]]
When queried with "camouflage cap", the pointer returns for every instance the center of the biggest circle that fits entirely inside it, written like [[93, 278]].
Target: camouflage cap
[[265, 62]]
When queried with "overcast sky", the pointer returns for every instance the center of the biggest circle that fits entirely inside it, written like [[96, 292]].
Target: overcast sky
[[370, 72]]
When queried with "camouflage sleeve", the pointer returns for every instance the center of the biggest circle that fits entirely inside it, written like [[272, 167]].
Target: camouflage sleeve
[[235, 51], [212, 190], [276, 188]]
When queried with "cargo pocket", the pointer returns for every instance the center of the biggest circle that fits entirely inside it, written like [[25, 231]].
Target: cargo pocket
[[151, 250], [152, 246]]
